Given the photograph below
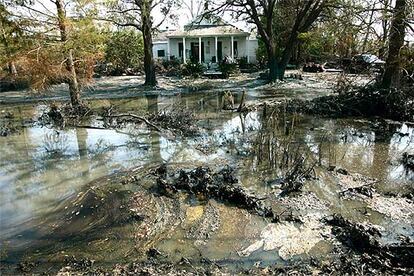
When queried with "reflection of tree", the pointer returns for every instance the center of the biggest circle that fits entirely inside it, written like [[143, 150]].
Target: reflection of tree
[[81, 138], [280, 147], [55, 144], [152, 101]]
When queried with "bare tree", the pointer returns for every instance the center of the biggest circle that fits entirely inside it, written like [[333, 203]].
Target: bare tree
[[263, 14], [195, 7], [140, 15]]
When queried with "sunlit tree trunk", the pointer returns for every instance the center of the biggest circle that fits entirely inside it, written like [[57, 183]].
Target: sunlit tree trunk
[[149, 66], [391, 77], [72, 80]]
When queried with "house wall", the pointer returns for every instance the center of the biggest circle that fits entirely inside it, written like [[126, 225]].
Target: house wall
[[209, 47], [253, 46], [160, 46]]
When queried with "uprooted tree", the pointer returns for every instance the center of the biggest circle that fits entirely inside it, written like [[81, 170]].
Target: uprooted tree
[[266, 15], [139, 14]]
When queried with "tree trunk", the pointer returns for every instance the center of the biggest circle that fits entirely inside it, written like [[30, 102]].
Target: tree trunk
[[391, 77], [272, 64], [72, 80], [149, 66], [287, 54]]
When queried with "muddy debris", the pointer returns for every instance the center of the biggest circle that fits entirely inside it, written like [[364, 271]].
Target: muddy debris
[[63, 115], [177, 119], [359, 236], [366, 190], [221, 185], [408, 161], [228, 101], [365, 239], [367, 101], [26, 266], [7, 128]]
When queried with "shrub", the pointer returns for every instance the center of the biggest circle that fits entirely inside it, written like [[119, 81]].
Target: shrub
[[228, 68], [193, 69], [243, 64]]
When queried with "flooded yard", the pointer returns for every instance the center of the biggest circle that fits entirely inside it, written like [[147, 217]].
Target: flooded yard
[[91, 192]]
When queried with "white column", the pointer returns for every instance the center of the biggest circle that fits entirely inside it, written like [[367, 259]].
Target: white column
[[168, 49], [247, 49], [215, 48], [199, 49], [184, 58], [232, 47]]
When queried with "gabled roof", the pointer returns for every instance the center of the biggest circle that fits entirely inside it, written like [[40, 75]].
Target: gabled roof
[[208, 26], [203, 21]]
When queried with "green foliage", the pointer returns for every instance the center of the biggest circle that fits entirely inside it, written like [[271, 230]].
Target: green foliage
[[228, 68], [13, 40], [261, 54], [193, 69], [172, 63], [243, 64], [316, 46], [125, 51]]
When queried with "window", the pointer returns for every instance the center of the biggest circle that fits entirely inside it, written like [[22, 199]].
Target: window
[[235, 50], [161, 53], [180, 49]]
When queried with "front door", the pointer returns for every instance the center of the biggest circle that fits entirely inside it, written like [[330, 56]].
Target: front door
[[219, 51], [195, 51]]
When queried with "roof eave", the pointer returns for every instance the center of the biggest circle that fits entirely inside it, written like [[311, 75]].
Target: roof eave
[[208, 35]]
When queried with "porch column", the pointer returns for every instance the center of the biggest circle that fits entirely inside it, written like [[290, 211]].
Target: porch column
[[168, 49], [215, 48], [184, 58], [247, 49], [199, 49], [232, 48]]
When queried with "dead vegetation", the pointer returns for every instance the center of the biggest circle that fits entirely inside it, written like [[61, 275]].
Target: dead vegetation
[[408, 161], [176, 118], [64, 115], [365, 240], [364, 102], [7, 128], [278, 148], [221, 185]]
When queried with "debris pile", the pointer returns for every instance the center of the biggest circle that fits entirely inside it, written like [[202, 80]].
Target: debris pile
[[367, 101], [365, 239], [178, 119], [221, 185], [63, 115]]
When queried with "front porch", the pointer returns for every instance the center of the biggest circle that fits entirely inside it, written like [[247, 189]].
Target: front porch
[[209, 49]]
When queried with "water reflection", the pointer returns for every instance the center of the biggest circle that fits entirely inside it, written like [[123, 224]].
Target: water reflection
[[41, 169]]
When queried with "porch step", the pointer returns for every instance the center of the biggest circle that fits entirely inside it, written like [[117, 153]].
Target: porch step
[[213, 74]]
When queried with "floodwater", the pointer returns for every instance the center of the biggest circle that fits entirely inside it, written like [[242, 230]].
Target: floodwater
[[62, 192]]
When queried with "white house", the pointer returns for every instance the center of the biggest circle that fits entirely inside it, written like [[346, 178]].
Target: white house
[[204, 41]]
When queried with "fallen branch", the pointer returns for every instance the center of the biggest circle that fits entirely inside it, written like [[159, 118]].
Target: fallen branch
[[136, 117]]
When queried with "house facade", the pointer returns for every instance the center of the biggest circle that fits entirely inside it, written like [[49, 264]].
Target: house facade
[[206, 41]]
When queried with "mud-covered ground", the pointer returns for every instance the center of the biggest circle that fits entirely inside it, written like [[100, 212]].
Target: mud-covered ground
[[310, 84], [212, 192]]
